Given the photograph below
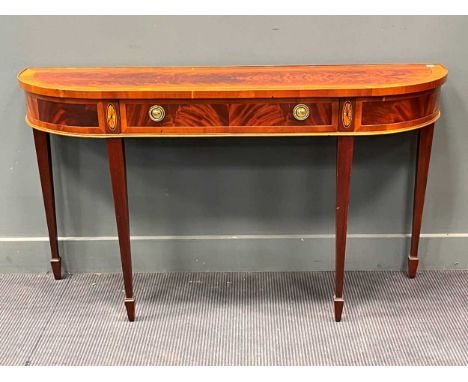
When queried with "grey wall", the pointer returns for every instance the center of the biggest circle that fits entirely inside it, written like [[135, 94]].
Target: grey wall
[[192, 195]]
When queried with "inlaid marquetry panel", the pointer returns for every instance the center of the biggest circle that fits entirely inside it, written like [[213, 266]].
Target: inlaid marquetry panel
[[347, 114], [111, 117]]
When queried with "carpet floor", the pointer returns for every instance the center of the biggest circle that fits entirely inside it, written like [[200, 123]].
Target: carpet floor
[[235, 319]]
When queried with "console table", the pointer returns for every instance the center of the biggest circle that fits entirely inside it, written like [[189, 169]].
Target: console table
[[346, 101]]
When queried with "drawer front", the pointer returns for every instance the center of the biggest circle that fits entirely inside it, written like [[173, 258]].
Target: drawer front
[[178, 115], [268, 116]]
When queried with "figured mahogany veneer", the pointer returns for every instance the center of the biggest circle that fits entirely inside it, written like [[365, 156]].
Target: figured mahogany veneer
[[341, 100], [233, 82], [211, 117], [69, 114], [90, 118], [233, 100]]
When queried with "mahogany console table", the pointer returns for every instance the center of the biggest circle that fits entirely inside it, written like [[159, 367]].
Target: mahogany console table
[[345, 101]]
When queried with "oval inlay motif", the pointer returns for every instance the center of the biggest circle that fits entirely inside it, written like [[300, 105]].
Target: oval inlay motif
[[347, 114], [111, 116]]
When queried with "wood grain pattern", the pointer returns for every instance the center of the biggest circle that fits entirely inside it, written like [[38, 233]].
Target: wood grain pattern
[[278, 114], [60, 113], [178, 115], [252, 116], [63, 115], [233, 82], [227, 114], [400, 110], [405, 107]]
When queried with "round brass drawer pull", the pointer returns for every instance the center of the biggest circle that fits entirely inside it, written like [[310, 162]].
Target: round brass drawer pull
[[301, 112], [156, 113]]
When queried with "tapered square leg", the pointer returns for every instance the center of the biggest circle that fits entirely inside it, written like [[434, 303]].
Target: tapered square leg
[[344, 159], [44, 162], [425, 136], [116, 156]]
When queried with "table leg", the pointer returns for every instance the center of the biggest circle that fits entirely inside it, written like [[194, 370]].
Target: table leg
[[422, 168], [116, 156], [44, 161], [344, 159]]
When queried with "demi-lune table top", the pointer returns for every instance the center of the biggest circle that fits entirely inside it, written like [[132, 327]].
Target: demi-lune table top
[[233, 82]]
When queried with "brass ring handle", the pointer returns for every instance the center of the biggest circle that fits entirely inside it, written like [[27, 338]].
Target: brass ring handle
[[156, 113], [301, 112]]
